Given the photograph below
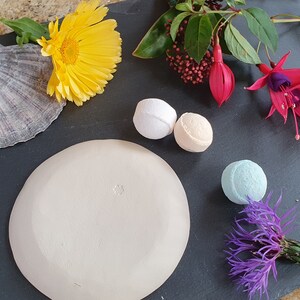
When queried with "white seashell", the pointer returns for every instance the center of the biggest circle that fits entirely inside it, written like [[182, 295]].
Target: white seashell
[[25, 107]]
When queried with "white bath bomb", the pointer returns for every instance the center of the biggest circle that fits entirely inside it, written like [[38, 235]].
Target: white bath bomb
[[154, 118], [193, 132]]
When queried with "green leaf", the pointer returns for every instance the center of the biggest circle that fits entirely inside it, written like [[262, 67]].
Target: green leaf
[[26, 27], [214, 18], [234, 3], [176, 23], [223, 44], [198, 35], [183, 6], [199, 2], [261, 26], [156, 41], [239, 46], [190, 3], [23, 39]]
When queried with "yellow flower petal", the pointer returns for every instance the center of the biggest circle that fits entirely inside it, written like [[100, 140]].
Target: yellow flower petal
[[85, 51]]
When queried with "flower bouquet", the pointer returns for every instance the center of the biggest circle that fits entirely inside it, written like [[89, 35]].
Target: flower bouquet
[[194, 35]]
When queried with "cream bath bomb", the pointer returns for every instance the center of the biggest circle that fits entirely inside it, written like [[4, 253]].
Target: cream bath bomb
[[243, 179], [193, 132], [154, 118]]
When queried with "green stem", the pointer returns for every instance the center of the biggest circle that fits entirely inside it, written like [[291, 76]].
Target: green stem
[[268, 55], [286, 15], [258, 46], [224, 12], [291, 250], [217, 27], [285, 20]]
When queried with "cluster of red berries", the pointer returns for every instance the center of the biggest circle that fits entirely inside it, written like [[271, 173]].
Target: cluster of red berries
[[179, 60], [188, 69], [214, 4]]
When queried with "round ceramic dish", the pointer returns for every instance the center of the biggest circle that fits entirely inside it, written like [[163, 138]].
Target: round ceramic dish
[[100, 220]]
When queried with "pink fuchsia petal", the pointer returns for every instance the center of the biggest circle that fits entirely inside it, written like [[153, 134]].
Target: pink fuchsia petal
[[295, 87], [217, 53], [229, 81], [259, 83], [295, 90], [221, 82], [279, 102], [271, 112], [215, 78], [281, 62], [293, 75], [264, 69]]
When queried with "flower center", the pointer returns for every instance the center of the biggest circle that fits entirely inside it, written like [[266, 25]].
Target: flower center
[[69, 51], [277, 80]]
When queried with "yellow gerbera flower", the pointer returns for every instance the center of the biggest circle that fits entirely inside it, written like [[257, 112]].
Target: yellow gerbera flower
[[84, 50]]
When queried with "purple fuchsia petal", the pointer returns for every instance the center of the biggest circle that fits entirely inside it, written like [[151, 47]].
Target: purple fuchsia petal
[[295, 92], [276, 80]]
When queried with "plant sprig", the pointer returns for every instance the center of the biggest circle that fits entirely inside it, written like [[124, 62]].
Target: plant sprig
[[26, 29], [204, 23]]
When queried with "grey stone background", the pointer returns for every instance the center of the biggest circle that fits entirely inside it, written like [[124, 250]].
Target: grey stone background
[[240, 132]]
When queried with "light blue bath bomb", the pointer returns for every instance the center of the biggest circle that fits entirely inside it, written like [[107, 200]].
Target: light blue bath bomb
[[244, 178]]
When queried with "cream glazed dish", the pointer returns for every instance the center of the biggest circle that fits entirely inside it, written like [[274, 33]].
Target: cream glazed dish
[[104, 219]]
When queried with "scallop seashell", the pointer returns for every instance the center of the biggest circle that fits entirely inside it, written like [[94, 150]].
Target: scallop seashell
[[25, 107]]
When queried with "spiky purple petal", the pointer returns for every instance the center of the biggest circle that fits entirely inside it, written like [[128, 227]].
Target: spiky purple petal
[[252, 252]]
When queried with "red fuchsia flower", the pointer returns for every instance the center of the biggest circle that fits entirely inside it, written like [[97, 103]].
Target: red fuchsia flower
[[284, 89], [221, 78]]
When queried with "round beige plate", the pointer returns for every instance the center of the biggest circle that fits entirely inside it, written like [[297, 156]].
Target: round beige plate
[[100, 220]]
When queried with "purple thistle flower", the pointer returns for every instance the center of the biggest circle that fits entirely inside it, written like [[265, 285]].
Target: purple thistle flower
[[252, 253]]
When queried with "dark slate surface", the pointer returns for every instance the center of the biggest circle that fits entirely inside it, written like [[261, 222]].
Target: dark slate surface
[[240, 132]]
